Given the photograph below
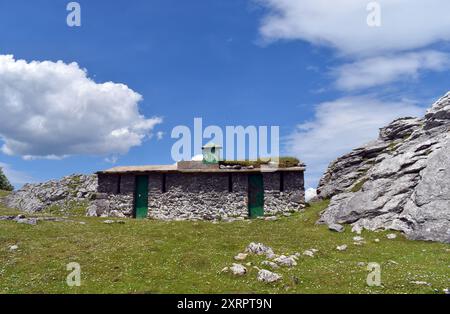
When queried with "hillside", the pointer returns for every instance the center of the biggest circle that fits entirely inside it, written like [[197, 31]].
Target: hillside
[[187, 257]]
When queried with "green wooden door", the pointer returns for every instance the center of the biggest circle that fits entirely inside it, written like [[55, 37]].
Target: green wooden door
[[255, 195], [141, 197]]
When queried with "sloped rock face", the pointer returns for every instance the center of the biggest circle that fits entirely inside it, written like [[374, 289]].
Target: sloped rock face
[[38, 197], [401, 181]]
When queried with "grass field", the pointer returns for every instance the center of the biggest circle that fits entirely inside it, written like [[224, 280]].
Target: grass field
[[187, 257]]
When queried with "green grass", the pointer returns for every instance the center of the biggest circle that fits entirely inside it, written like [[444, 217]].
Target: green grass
[[283, 162], [358, 186], [3, 193], [186, 257]]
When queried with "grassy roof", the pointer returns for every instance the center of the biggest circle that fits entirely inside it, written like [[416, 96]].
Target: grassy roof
[[284, 162]]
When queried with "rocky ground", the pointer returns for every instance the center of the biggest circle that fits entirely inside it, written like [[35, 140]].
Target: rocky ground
[[60, 194], [401, 181], [287, 255]]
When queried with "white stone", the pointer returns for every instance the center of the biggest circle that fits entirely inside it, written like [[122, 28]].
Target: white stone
[[268, 276], [13, 247], [308, 253], [336, 227], [270, 264], [357, 229], [287, 261], [342, 247], [259, 249], [421, 283], [391, 236], [240, 257], [238, 270]]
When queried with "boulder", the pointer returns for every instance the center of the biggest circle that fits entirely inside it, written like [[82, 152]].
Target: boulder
[[238, 270], [270, 264], [400, 181], [287, 261], [336, 227], [268, 276], [240, 257], [259, 249]]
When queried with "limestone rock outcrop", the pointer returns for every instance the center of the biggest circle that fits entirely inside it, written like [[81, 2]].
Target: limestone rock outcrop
[[61, 193], [401, 181]]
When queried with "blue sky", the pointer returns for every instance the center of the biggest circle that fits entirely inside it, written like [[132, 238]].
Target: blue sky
[[231, 62]]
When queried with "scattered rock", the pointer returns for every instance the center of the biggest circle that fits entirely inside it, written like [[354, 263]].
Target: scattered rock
[[271, 218], [5, 218], [240, 257], [108, 222], [287, 261], [358, 239], [356, 229], [361, 264], [391, 236], [421, 283], [446, 291], [270, 264], [268, 276], [13, 247], [336, 227], [27, 221], [309, 253], [238, 270], [377, 240], [259, 249], [342, 247]]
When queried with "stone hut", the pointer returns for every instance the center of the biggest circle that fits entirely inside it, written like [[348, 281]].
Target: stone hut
[[199, 190]]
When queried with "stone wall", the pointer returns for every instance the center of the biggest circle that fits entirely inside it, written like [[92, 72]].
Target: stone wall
[[197, 196], [202, 196], [115, 197], [282, 199]]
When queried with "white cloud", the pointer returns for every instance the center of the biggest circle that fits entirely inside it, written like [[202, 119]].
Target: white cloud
[[160, 135], [310, 194], [112, 159], [17, 178], [53, 110], [382, 70], [342, 24], [341, 125]]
